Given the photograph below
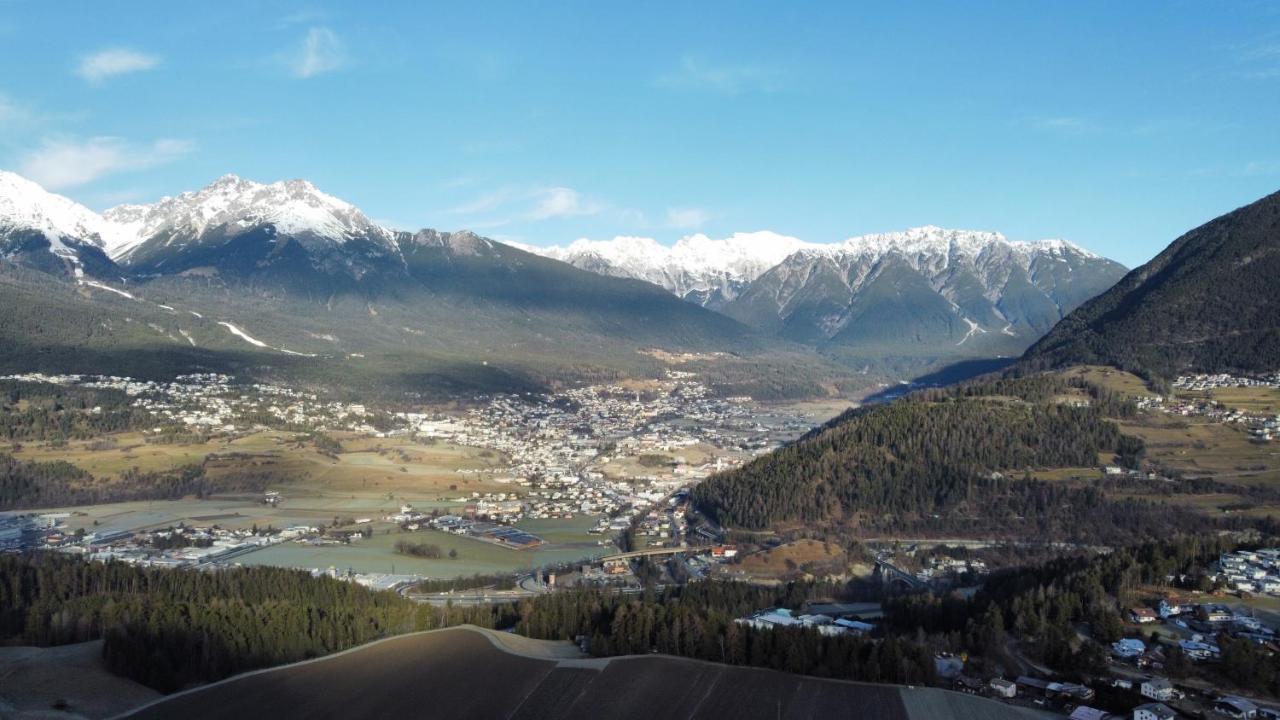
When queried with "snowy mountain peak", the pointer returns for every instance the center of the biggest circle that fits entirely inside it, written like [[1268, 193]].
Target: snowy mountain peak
[[293, 207], [716, 270], [26, 208], [943, 246], [709, 269]]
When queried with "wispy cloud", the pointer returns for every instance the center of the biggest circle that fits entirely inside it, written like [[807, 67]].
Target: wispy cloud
[[305, 16], [687, 218], [321, 51], [66, 163], [487, 202], [1252, 168], [109, 63], [1257, 168], [1259, 59], [515, 204], [9, 111], [727, 79], [562, 202], [1065, 124]]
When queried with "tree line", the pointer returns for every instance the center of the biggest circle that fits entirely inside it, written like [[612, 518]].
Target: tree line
[[44, 411], [698, 620], [953, 460], [172, 628], [57, 483]]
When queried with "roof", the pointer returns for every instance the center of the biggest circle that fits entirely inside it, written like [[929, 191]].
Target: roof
[[1084, 712], [1158, 682], [1160, 710], [1238, 703], [1029, 681]]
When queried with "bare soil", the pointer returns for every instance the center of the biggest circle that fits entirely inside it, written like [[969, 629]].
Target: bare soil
[[471, 673]]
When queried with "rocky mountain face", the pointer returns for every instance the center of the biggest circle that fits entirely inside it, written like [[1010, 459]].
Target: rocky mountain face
[[926, 289], [283, 276], [912, 299], [52, 233], [709, 272], [1210, 302]]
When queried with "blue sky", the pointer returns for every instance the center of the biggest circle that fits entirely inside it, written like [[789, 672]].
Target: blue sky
[[1115, 125]]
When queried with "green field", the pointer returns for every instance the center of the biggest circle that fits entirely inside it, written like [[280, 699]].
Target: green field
[[567, 541]]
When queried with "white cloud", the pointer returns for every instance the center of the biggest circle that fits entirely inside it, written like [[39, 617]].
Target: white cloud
[[306, 16], [66, 163], [114, 61], [689, 218], [694, 74], [321, 51], [561, 202], [482, 204], [513, 204], [1065, 124], [1257, 168], [8, 111]]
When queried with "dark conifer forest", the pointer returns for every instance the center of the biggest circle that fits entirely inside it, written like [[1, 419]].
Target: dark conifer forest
[[954, 460]]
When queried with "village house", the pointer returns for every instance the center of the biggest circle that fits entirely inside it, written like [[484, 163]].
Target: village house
[[1157, 689]]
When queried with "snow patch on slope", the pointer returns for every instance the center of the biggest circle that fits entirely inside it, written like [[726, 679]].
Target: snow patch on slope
[[108, 288], [258, 343], [244, 335]]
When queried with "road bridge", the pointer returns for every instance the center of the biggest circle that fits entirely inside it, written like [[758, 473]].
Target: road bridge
[[648, 553]]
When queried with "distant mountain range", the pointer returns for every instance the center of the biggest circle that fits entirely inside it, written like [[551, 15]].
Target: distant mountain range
[[912, 299], [283, 279], [1210, 302], [328, 281], [697, 268], [946, 461]]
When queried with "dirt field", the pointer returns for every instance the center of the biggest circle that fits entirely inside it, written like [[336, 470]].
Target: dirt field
[[372, 466], [1201, 448], [1250, 399], [1110, 378], [63, 682], [461, 673], [786, 559]]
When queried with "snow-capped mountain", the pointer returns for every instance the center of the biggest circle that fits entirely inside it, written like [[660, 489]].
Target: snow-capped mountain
[[51, 232], [926, 287], [925, 293], [294, 207], [231, 224], [194, 226], [707, 271], [250, 278]]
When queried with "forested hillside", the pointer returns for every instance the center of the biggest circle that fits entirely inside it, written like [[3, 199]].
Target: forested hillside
[[1209, 303], [170, 629], [956, 460]]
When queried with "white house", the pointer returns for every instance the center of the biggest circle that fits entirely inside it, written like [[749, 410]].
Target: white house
[[1003, 688], [1157, 689]]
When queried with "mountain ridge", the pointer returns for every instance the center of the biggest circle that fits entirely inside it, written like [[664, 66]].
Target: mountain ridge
[[1207, 302], [320, 293]]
